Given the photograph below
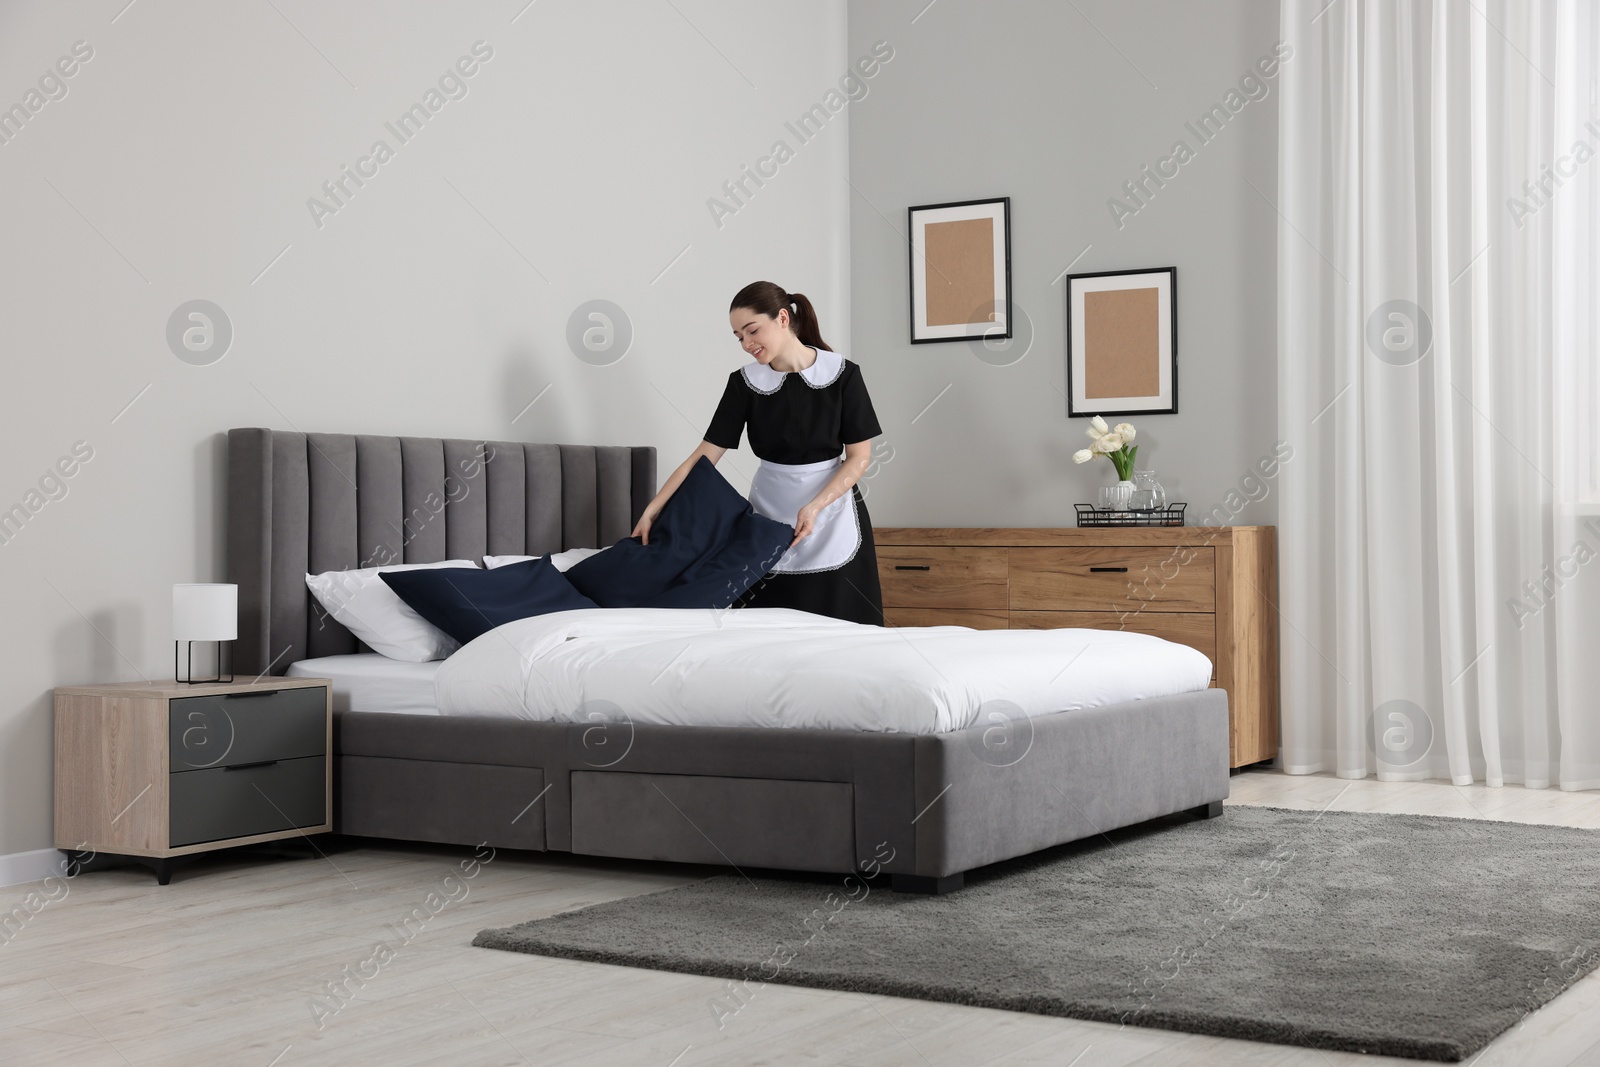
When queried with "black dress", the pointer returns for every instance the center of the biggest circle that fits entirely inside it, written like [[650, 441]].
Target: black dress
[[798, 418]]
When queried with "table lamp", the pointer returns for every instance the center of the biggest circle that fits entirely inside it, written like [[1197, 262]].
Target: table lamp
[[204, 612]]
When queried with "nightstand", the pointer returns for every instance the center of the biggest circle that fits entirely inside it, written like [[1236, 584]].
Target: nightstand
[[158, 771]]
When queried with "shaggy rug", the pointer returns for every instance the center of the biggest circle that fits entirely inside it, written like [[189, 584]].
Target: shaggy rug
[[1402, 935]]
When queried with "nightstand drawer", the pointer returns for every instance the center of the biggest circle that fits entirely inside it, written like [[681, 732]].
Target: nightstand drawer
[[942, 577], [1112, 579], [228, 802], [226, 729]]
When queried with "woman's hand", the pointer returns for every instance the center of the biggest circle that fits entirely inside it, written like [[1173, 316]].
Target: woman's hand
[[805, 522], [642, 530], [675, 479]]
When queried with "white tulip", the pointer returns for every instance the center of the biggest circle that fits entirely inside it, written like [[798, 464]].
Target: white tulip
[[1094, 434], [1100, 425], [1109, 443], [1083, 455], [1126, 431]]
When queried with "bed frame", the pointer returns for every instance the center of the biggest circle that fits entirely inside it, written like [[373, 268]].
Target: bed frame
[[924, 809]]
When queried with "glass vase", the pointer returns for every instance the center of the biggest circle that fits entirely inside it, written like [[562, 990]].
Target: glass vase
[[1147, 495]]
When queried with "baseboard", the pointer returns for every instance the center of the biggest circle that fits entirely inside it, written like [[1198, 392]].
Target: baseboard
[[35, 866]]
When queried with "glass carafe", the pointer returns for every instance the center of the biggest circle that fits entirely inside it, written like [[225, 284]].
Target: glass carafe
[[1147, 492]]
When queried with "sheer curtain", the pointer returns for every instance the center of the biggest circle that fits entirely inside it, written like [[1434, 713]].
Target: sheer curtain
[[1439, 166]]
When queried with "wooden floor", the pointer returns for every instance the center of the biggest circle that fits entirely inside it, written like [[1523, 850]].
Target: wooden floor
[[225, 966]]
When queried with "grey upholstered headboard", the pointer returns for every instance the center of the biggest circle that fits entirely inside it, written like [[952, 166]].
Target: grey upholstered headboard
[[300, 503]]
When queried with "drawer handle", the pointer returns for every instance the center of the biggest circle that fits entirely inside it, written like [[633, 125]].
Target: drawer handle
[[253, 693], [912, 567], [248, 766], [1108, 570]]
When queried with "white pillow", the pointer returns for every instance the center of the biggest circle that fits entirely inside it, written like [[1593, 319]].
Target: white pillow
[[361, 602], [563, 560]]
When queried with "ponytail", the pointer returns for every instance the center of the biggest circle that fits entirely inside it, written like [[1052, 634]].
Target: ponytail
[[768, 299]]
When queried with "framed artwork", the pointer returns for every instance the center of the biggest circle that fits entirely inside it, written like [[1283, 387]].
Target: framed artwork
[[960, 270], [1122, 342]]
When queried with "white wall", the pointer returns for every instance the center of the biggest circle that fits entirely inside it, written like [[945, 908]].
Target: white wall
[[178, 166], [1056, 105], [179, 163]]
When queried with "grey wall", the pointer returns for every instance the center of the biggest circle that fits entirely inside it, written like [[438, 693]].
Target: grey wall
[[178, 165], [1056, 105]]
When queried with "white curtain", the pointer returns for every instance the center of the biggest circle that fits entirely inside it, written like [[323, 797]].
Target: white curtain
[[1439, 196]]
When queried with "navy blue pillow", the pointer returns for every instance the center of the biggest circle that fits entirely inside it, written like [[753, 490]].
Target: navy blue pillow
[[468, 603], [706, 548]]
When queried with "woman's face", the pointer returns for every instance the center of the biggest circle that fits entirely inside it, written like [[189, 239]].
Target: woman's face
[[762, 336]]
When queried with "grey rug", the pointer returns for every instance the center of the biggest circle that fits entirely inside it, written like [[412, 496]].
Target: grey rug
[[1395, 934]]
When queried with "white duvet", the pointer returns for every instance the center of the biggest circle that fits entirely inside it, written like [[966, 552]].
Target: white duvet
[[776, 667]]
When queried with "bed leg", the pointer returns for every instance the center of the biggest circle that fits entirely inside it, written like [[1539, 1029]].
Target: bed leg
[[1207, 811], [927, 883]]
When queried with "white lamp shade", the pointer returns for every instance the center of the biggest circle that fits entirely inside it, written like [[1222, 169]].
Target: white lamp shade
[[205, 612]]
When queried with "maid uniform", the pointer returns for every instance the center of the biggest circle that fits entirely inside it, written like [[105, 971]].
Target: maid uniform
[[799, 423]]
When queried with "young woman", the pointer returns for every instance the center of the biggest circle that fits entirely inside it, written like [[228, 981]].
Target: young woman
[[801, 403]]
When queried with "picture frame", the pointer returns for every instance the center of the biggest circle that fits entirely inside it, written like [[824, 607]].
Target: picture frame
[[960, 270], [1122, 342]]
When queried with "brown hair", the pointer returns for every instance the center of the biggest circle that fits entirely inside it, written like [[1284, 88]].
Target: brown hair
[[767, 298]]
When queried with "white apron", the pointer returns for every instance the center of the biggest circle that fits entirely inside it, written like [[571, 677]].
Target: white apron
[[780, 490]]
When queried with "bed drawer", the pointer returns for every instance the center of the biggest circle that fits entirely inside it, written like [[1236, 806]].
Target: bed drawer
[[1196, 629], [753, 822], [977, 618], [428, 800], [1112, 579], [917, 577]]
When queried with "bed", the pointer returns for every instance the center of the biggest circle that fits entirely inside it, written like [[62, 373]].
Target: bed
[[922, 807]]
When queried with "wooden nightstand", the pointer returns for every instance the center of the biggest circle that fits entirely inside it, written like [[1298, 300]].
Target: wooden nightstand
[[157, 771]]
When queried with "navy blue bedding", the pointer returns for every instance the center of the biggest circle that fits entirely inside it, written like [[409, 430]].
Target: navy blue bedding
[[706, 548], [465, 603]]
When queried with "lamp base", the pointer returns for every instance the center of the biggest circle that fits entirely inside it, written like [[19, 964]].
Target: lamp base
[[191, 679]]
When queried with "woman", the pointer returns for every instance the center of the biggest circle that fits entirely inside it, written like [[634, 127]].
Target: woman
[[801, 403]]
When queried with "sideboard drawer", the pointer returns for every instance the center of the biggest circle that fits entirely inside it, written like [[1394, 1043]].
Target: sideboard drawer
[[1112, 579], [1196, 629], [977, 618], [224, 729], [917, 577], [228, 802]]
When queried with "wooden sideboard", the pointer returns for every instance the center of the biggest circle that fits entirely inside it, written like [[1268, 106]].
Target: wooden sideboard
[[1214, 588]]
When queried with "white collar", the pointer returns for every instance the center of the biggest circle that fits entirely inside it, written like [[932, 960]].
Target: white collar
[[823, 372]]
